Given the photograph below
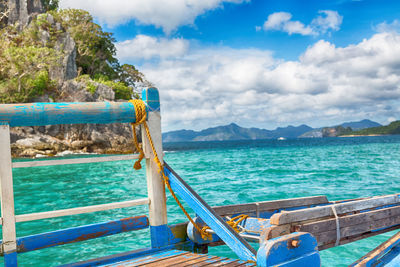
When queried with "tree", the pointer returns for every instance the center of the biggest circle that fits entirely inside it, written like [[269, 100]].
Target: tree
[[50, 4], [96, 49]]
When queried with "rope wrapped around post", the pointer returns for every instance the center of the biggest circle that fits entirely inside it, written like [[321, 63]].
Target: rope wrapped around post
[[140, 110]]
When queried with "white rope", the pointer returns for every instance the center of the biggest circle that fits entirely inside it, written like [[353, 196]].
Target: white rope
[[257, 210], [337, 225]]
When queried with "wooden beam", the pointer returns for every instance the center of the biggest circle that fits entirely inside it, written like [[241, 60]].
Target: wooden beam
[[270, 205], [80, 210], [9, 244], [326, 211], [37, 163], [356, 219], [37, 114], [155, 183], [351, 226], [354, 230]]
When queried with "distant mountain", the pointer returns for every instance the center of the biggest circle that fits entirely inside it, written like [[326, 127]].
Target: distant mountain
[[234, 132], [344, 128], [358, 125], [392, 128]]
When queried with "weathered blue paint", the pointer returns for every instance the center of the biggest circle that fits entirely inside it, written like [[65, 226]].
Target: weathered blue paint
[[195, 236], [207, 214], [152, 98], [391, 259], [386, 254], [255, 225], [10, 259], [161, 236], [76, 234], [280, 251], [38, 114]]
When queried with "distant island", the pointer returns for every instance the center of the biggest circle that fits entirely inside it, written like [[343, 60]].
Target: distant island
[[392, 128], [235, 132]]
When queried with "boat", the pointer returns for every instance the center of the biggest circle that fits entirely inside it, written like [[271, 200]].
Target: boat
[[281, 138], [290, 232]]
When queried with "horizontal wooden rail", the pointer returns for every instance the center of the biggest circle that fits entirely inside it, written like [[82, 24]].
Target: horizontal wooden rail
[[81, 233], [26, 164], [80, 210], [40, 114]]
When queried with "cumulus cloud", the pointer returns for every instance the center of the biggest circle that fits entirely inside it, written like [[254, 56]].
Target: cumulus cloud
[[167, 14], [147, 47], [388, 27], [282, 21], [327, 85]]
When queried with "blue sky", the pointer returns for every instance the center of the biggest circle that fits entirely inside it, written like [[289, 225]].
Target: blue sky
[[261, 63]]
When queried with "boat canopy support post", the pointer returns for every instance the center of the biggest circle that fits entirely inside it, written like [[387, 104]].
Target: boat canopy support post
[[9, 244], [160, 233]]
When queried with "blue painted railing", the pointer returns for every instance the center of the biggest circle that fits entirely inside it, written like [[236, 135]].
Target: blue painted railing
[[40, 114], [82, 233]]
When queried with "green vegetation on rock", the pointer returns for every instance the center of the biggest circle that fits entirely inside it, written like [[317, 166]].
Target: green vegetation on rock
[[392, 128], [32, 57]]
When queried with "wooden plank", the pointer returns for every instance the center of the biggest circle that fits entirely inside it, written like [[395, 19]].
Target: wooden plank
[[326, 225], [330, 236], [325, 211], [148, 259], [158, 260], [360, 218], [270, 205], [227, 262], [28, 164], [200, 257], [172, 261], [7, 197], [81, 233], [80, 210], [210, 262], [359, 237]]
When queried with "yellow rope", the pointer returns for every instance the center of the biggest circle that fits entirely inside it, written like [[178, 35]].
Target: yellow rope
[[140, 111]]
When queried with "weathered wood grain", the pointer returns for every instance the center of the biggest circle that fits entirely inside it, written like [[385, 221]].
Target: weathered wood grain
[[27, 164], [80, 210], [269, 205], [325, 211], [360, 218]]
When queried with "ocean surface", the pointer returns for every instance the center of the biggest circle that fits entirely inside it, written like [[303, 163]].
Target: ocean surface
[[222, 173]]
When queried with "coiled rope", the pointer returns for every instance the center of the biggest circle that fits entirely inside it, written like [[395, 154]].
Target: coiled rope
[[140, 111]]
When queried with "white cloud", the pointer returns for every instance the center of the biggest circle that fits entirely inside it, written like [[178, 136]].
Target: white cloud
[[146, 47], [330, 20], [282, 21], [212, 86], [167, 14], [388, 27]]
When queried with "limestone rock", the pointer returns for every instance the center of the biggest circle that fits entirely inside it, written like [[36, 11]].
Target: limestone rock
[[21, 11]]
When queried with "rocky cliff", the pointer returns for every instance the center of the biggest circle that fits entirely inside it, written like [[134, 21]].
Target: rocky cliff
[[55, 140], [28, 19]]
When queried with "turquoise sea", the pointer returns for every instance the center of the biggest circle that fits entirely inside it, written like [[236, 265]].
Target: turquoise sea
[[222, 173]]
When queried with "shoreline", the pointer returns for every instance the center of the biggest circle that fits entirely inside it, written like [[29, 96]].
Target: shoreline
[[354, 135]]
